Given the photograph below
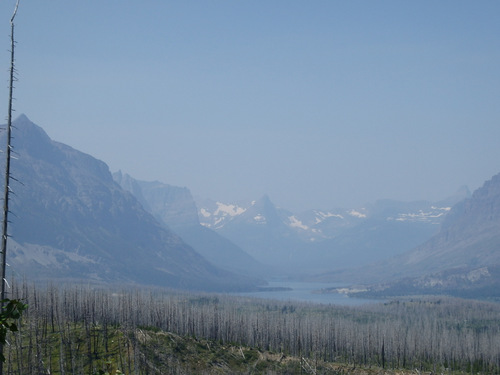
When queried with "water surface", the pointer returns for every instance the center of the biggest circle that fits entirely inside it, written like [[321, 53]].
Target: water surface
[[307, 292]]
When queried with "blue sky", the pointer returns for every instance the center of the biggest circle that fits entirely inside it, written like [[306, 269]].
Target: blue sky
[[319, 104]]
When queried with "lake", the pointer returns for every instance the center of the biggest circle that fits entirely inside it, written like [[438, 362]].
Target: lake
[[302, 291]]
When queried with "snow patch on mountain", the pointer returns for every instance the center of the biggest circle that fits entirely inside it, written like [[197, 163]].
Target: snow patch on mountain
[[434, 215], [296, 223], [228, 209], [205, 213], [357, 214], [317, 225], [260, 219], [446, 209], [320, 216]]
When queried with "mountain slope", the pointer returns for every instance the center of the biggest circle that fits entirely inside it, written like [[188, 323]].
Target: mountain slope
[[462, 259], [321, 240], [171, 205], [72, 221], [262, 231], [388, 228], [469, 237], [175, 207]]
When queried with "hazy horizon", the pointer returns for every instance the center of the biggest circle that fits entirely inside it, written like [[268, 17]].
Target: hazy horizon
[[318, 105]]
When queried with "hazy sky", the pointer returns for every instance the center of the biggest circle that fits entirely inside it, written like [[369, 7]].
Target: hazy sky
[[318, 104]]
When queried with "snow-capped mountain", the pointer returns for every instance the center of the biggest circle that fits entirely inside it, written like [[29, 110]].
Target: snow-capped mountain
[[315, 224], [461, 259], [174, 206], [324, 239], [311, 225], [72, 222], [215, 215]]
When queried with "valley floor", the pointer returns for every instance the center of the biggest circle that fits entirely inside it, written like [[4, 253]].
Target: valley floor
[[82, 330]]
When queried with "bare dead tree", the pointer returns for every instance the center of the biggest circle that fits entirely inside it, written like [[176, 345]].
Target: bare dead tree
[[7, 173], [8, 154]]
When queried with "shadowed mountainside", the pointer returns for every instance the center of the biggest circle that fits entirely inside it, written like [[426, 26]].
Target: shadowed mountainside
[[462, 259], [71, 221], [175, 207], [317, 240], [469, 237]]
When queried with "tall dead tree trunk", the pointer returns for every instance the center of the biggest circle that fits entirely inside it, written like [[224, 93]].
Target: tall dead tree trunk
[[7, 171], [8, 156]]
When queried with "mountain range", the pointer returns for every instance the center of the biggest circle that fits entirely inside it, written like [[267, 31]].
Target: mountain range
[[175, 207], [462, 259], [71, 221], [74, 220], [316, 241]]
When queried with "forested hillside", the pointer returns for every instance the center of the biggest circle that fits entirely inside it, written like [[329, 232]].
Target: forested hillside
[[80, 330]]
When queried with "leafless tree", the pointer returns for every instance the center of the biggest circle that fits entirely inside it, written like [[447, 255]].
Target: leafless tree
[[3, 281], [70, 329]]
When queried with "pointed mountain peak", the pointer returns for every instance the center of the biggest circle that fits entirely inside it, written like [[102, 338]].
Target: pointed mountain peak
[[263, 206], [29, 137], [69, 208], [23, 123], [22, 118], [26, 127], [264, 201]]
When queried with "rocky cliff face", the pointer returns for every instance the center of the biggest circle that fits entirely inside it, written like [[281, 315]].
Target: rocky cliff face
[[172, 205], [469, 237], [175, 207], [72, 221], [463, 258]]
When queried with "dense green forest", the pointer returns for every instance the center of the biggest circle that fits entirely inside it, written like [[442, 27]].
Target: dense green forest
[[91, 330]]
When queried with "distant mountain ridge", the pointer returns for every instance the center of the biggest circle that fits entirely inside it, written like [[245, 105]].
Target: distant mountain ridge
[[322, 240], [316, 224], [310, 224], [462, 259], [470, 234], [175, 207], [172, 205], [73, 222]]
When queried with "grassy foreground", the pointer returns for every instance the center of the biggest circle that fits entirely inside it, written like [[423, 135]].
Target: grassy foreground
[[147, 350]]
